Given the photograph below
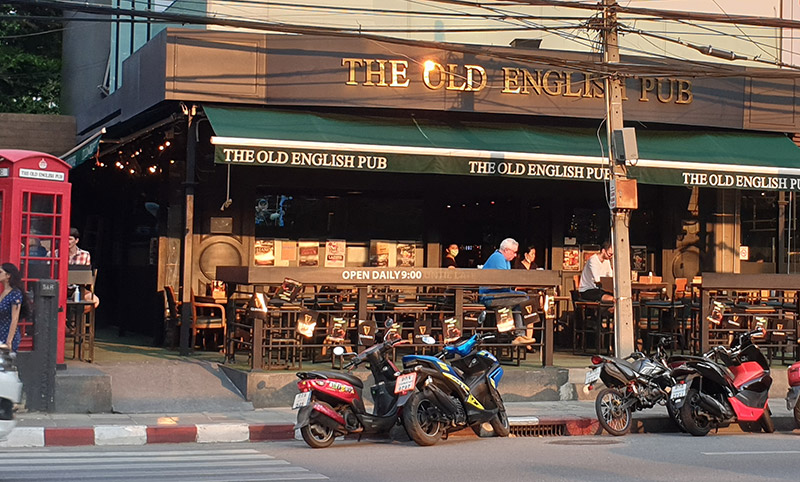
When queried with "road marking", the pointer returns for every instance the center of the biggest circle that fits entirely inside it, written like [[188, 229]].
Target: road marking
[[765, 452]]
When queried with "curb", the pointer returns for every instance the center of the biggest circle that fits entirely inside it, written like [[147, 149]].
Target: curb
[[117, 435], [142, 435]]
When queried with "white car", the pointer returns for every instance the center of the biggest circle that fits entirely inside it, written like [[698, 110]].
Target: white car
[[10, 391]]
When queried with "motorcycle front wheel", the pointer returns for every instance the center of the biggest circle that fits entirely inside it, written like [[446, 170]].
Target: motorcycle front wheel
[[675, 415], [418, 417], [692, 416], [615, 419], [767, 425], [500, 423]]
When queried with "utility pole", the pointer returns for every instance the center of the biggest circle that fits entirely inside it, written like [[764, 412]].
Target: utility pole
[[624, 342]]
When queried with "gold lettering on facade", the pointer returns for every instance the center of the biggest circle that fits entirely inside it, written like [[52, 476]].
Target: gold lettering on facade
[[684, 92], [532, 81], [452, 74], [471, 71], [557, 86], [399, 73], [371, 73], [510, 80], [647, 86], [431, 66], [660, 90], [594, 87], [351, 65], [568, 86]]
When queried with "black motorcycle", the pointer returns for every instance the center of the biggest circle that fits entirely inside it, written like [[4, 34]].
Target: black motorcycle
[[455, 389], [635, 383]]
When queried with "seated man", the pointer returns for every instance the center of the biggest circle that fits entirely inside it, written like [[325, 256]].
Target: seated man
[[598, 266], [506, 297]]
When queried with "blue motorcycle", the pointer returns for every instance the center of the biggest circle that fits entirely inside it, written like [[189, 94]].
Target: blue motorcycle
[[454, 389]]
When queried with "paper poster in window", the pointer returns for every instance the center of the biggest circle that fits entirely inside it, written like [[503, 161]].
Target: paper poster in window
[[264, 252], [406, 255], [639, 258], [572, 259], [379, 253], [308, 253], [335, 253], [288, 250]]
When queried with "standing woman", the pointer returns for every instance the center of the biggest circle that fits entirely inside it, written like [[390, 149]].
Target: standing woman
[[13, 305]]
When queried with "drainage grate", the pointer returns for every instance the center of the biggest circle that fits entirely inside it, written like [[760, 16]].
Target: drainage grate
[[543, 430]]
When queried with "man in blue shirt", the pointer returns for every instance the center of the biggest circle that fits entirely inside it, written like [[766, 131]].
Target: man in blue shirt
[[506, 297]]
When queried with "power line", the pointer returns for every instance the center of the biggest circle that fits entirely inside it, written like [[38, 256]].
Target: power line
[[585, 64]]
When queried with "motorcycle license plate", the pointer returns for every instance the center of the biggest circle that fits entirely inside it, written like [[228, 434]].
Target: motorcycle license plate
[[592, 376], [678, 391], [405, 382], [301, 400]]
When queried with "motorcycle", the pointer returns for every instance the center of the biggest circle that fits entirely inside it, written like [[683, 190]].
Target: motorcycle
[[724, 386], [331, 403], [793, 397], [455, 389], [10, 390], [633, 385]]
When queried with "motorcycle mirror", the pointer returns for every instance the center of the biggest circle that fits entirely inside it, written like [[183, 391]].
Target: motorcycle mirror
[[338, 351], [388, 323], [428, 340]]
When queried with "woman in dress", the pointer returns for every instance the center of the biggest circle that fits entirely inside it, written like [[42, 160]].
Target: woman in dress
[[13, 305]]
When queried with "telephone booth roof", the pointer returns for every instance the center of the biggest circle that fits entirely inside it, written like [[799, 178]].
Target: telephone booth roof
[[34, 163]]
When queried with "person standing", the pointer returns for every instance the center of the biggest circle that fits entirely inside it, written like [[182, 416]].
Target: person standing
[[598, 266], [527, 260], [13, 305], [506, 297], [77, 256], [450, 257]]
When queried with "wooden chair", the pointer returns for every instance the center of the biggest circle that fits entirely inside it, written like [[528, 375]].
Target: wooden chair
[[207, 315]]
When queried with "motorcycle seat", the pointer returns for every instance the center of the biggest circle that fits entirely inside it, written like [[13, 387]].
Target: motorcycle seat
[[349, 378]]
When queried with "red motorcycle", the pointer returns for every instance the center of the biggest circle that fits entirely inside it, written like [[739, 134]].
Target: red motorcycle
[[331, 403], [793, 397], [730, 386]]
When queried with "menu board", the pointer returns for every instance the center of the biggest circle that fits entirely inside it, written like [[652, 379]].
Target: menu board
[[308, 253], [335, 253]]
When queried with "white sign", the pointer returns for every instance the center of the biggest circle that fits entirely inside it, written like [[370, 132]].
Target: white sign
[[45, 175], [744, 253], [3, 172]]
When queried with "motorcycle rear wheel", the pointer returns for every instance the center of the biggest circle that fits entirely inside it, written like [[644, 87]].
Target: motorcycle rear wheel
[[695, 424], [500, 423], [767, 425], [614, 419], [797, 414], [317, 436], [421, 427]]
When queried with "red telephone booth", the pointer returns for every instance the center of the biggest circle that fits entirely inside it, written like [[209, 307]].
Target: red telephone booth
[[34, 225]]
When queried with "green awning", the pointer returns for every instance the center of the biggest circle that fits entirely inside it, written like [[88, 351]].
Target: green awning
[[736, 159]]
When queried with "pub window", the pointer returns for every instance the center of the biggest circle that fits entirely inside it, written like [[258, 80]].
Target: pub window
[[355, 216], [759, 218]]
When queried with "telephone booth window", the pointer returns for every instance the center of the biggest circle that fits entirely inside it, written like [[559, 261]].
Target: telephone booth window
[[40, 256], [1, 221]]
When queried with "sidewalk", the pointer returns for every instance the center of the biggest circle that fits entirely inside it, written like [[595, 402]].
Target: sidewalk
[[269, 424]]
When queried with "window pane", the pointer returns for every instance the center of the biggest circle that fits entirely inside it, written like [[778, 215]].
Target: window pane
[[42, 203]]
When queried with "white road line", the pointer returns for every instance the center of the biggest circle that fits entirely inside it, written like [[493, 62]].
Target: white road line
[[766, 452], [211, 464]]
